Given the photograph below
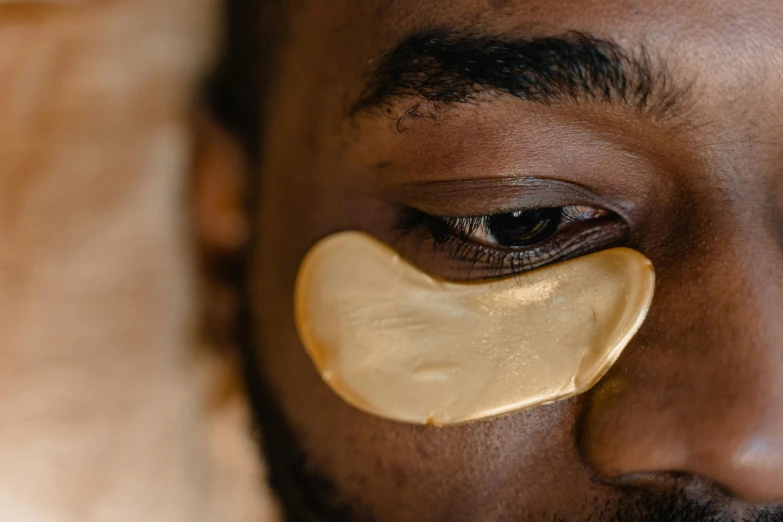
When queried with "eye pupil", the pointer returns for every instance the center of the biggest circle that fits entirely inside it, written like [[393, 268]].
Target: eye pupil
[[524, 228]]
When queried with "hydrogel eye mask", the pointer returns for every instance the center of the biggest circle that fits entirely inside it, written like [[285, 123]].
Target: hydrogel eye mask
[[397, 343]]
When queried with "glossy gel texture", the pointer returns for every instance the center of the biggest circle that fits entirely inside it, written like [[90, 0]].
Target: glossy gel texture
[[400, 344]]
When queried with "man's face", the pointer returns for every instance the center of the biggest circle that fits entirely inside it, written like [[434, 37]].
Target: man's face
[[666, 113]]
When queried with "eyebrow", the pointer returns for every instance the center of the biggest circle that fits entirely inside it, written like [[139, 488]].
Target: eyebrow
[[450, 68]]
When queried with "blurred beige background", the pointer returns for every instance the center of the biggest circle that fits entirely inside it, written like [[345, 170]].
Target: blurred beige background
[[109, 409]]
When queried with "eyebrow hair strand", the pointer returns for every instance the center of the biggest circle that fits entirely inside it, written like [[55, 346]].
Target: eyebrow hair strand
[[449, 68]]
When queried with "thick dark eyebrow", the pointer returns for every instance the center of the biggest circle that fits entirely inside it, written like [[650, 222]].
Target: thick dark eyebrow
[[448, 68]]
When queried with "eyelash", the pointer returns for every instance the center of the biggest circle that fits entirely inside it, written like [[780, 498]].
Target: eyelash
[[455, 236]]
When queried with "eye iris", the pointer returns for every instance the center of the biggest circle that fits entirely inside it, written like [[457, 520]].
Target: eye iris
[[524, 228]]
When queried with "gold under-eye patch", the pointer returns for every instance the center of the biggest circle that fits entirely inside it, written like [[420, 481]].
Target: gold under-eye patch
[[397, 343]]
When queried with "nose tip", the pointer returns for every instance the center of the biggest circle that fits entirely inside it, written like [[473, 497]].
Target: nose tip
[[753, 471]]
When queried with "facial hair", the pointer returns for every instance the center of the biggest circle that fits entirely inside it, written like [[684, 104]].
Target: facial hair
[[680, 507]]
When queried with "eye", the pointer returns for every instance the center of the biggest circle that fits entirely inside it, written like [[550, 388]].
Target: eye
[[523, 228], [504, 243]]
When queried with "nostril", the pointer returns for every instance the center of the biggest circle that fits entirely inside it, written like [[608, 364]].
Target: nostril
[[663, 483], [659, 495]]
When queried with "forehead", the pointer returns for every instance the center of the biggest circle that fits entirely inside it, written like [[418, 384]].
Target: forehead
[[738, 42], [729, 53], [698, 21]]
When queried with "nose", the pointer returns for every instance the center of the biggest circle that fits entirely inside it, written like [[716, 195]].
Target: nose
[[700, 391]]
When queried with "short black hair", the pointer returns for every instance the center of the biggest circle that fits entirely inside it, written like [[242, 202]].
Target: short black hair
[[239, 86]]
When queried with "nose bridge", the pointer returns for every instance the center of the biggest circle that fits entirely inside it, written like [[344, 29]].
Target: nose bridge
[[700, 391]]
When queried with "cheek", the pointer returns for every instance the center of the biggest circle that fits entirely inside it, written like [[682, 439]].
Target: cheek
[[522, 463], [526, 462]]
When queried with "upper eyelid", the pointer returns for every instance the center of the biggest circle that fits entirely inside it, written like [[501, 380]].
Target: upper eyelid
[[516, 209], [493, 196]]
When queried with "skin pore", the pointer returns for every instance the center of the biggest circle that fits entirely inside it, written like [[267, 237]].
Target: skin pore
[[393, 118]]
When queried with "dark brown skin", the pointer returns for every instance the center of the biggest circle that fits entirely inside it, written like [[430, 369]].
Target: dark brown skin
[[695, 404]]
